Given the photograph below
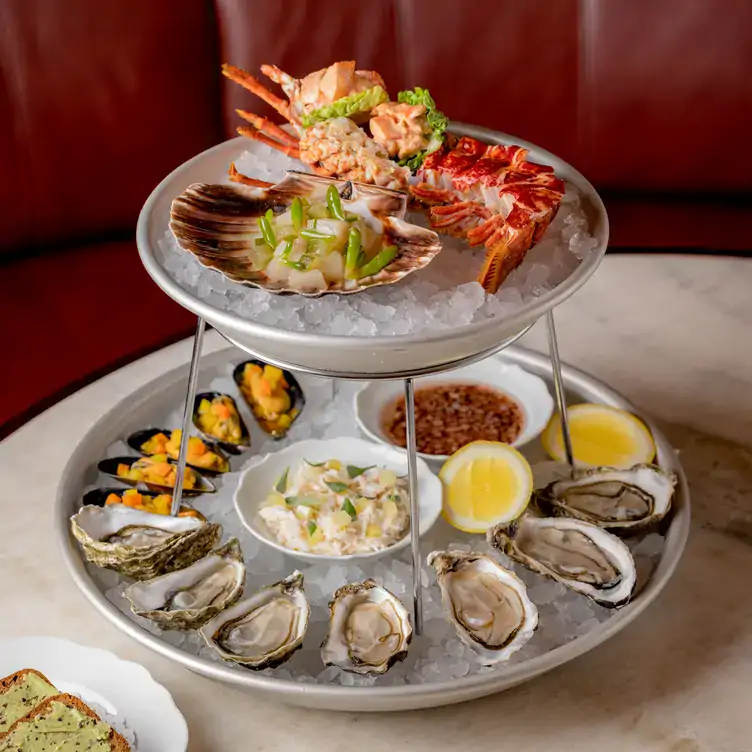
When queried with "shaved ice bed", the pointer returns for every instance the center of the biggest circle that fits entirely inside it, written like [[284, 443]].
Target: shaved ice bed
[[437, 655], [444, 295]]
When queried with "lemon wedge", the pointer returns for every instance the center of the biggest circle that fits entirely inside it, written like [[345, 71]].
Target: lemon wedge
[[485, 483], [601, 436]]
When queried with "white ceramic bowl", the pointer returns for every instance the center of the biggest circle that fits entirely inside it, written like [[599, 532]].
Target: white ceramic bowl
[[123, 692], [530, 392], [262, 473]]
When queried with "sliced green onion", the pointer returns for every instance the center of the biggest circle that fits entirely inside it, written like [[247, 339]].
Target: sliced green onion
[[312, 527], [349, 508], [336, 486], [315, 235], [334, 202], [267, 231], [282, 482], [269, 215], [296, 213], [302, 501], [354, 249], [353, 471], [379, 261]]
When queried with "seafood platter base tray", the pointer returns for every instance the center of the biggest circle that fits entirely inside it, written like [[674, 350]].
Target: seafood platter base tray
[[439, 669]]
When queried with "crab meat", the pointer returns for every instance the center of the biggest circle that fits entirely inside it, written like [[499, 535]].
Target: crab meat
[[402, 129]]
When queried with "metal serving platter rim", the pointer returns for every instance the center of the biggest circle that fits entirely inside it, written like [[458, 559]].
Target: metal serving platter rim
[[525, 316], [387, 698]]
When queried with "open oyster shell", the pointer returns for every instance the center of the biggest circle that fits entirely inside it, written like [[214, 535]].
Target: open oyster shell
[[487, 604], [219, 224], [140, 544], [583, 557], [188, 598], [369, 629], [621, 501], [263, 630]]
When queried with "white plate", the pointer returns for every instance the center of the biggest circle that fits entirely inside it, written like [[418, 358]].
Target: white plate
[[132, 700], [530, 392], [263, 472]]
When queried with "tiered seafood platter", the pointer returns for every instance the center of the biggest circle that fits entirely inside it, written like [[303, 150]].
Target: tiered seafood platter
[[438, 668]]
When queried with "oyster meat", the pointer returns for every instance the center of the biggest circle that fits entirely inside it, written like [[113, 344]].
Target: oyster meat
[[141, 544], [369, 629], [260, 237], [621, 501], [263, 630], [487, 604], [189, 597], [584, 557]]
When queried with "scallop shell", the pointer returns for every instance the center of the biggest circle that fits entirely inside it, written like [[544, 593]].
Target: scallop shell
[[217, 223]]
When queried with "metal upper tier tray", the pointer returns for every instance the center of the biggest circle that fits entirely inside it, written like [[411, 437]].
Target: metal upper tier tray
[[434, 319]]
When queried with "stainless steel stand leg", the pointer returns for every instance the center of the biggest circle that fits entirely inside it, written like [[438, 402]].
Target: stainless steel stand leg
[[561, 404], [412, 470], [190, 397]]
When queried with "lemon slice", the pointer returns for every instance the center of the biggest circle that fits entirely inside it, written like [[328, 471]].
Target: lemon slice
[[601, 436], [485, 483]]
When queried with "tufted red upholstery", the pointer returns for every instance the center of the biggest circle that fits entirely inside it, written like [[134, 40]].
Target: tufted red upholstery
[[99, 100]]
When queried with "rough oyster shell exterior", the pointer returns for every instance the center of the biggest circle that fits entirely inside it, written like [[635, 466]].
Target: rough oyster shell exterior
[[214, 222], [166, 544], [148, 598]]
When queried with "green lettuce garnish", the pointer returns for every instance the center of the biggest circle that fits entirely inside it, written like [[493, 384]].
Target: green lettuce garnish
[[363, 101], [437, 120]]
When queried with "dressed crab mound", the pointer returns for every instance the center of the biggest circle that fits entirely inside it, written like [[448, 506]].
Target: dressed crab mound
[[344, 125]]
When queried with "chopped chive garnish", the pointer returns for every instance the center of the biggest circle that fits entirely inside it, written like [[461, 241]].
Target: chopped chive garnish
[[379, 261], [348, 507], [315, 464], [312, 527], [282, 482], [315, 235], [296, 213], [353, 471], [336, 486], [302, 501]]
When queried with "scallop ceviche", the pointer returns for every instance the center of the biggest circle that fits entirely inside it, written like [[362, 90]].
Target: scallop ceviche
[[335, 509]]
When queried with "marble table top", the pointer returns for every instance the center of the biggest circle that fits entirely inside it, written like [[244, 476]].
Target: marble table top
[[670, 332]]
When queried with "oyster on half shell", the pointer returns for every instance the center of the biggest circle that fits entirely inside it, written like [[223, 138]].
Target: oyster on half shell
[[487, 604], [369, 629], [219, 224], [141, 544], [583, 557], [621, 501], [263, 630], [188, 598]]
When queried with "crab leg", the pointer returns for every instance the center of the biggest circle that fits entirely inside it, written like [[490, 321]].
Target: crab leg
[[268, 128], [291, 151], [247, 81], [238, 177]]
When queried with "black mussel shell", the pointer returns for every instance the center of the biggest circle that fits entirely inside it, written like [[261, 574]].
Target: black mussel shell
[[245, 440], [136, 440], [297, 398], [109, 467], [98, 496]]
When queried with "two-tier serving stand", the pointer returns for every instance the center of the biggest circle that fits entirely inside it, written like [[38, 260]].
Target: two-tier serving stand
[[365, 358]]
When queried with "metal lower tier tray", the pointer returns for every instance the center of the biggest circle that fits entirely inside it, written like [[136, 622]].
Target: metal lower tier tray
[[438, 670]]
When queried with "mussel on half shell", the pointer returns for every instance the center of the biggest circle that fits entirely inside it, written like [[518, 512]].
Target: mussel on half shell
[[218, 421], [112, 465], [273, 394], [210, 461], [98, 497]]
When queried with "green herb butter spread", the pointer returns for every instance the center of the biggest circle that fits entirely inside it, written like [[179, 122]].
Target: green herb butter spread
[[60, 729], [22, 698]]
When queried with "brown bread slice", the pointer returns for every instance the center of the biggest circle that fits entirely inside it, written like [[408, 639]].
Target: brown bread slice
[[117, 742], [17, 678]]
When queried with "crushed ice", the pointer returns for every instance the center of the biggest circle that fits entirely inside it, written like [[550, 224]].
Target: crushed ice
[[437, 655], [443, 295]]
